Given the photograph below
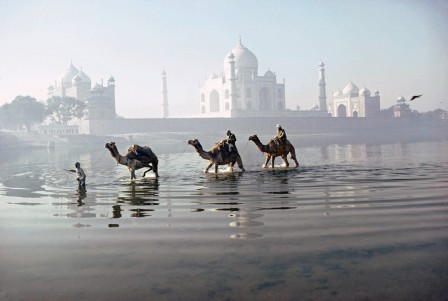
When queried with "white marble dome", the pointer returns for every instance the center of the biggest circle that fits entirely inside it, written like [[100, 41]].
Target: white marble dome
[[364, 92], [401, 99], [337, 93], [77, 79], [269, 73], [84, 77], [350, 90], [69, 73], [243, 57]]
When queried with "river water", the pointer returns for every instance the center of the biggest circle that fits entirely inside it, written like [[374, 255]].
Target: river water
[[353, 222]]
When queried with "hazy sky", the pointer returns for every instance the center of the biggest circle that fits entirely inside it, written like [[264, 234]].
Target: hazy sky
[[399, 47]]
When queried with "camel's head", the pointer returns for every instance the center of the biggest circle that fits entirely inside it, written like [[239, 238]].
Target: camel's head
[[194, 143], [111, 147], [253, 138]]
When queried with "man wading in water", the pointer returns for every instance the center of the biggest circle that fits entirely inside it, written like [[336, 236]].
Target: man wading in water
[[80, 175]]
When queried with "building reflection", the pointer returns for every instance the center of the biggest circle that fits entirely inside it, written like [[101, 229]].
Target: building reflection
[[350, 152], [246, 218]]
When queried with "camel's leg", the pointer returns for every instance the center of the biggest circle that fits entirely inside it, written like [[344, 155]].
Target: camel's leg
[[231, 164], [208, 167], [268, 157], [240, 162], [273, 159], [285, 158], [293, 156], [216, 168], [144, 174], [155, 167], [133, 174]]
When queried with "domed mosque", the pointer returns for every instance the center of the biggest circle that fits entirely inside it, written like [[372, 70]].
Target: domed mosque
[[240, 91], [75, 83], [354, 102]]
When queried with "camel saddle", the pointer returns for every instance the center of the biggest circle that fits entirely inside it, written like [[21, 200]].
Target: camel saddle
[[142, 153], [224, 145]]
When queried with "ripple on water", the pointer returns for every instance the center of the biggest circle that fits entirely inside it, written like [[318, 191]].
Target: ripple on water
[[345, 211]]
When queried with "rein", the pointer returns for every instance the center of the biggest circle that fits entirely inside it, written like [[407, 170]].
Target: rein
[[99, 158], [167, 160]]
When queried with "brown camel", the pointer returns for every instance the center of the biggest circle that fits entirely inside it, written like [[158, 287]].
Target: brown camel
[[218, 155], [272, 150], [134, 161]]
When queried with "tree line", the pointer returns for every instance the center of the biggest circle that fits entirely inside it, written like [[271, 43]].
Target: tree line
[[25, 111]]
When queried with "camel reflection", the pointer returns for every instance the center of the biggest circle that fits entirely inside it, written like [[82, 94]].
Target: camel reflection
[[141, 194]]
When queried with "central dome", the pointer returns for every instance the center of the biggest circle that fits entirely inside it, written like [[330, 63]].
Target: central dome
[[69, 74], [244, 59], [350, 90]]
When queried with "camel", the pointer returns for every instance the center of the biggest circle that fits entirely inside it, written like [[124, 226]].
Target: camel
[[272, 150], [218, 155], [134, 161]]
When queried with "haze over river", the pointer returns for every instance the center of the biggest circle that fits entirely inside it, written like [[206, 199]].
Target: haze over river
[[353, 222]]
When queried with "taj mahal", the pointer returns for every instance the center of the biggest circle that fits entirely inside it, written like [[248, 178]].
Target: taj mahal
[[239, 92], [242, 92]]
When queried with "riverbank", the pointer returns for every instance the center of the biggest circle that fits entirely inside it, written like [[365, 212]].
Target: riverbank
[[171, 139]]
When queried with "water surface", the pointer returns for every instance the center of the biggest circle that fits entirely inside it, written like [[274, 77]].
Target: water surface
[[353, 222]]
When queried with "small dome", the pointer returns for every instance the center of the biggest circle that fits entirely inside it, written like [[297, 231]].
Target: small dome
[[364, 91], [351, 90], [269, 73], [50, 88], [69, 73], [97, 87], [337, 93], [377, 92], [76, 80], [84, 77], [401, 99], [213, 76], [111, 79]]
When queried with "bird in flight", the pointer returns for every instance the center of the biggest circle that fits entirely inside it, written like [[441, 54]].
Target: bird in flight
[[415, 96]]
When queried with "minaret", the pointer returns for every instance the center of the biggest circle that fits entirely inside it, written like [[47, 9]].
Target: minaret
[[232, 82], [322, 93], [164, 96]]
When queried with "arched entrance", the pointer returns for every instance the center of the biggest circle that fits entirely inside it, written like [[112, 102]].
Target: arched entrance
[[214, 101], [355, 114], [342, 111], [265, 99]]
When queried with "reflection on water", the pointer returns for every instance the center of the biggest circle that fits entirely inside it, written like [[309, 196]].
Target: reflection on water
[[145, 193], [82, 194], [280, 232]]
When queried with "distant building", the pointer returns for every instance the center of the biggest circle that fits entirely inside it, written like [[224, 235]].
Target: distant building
[[402, 109], [165, 111], [352, 102], [100, 99], [240, 91], [58, 130], [322, 90]]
